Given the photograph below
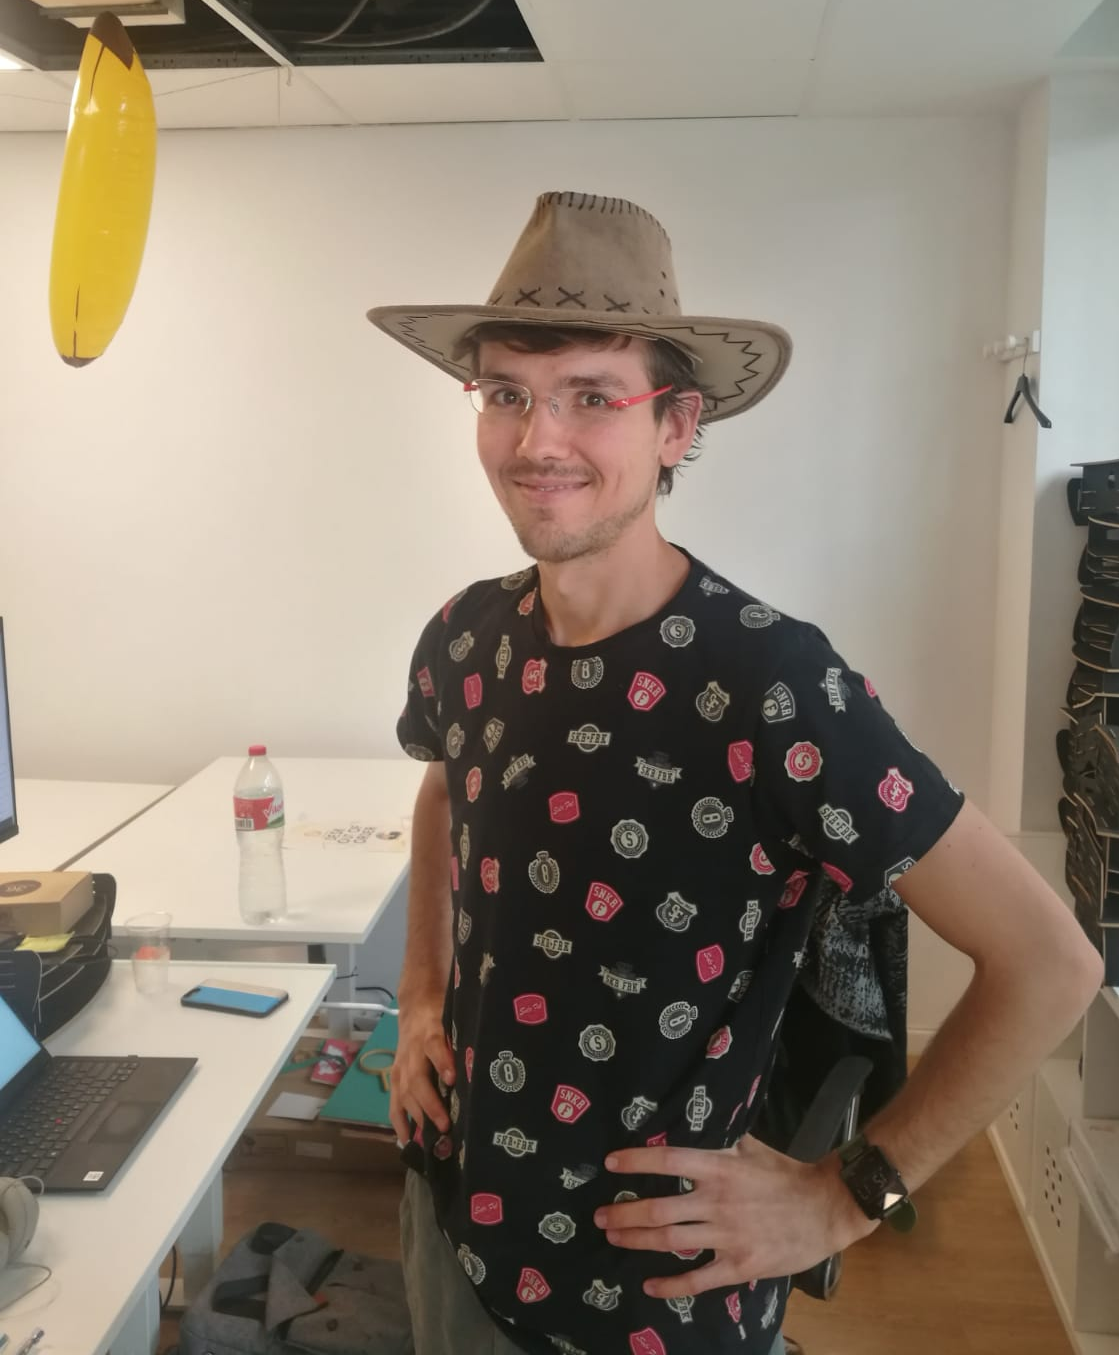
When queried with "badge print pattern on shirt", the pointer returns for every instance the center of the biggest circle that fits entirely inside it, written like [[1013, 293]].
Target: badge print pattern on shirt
[[632, 893]]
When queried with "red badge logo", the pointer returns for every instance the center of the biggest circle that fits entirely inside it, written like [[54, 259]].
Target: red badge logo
[[803, 761], [530, 1009], [794, 887], [473, 783], [443, 1147], [485, 1208], [657, 1140], [646, 1342], [423, 677], [760, 864], [527, 603], [469, 1061], [709, 963], [843, 881], [569, 1103], [532, 1286], [454, 872], [869, 687], [734, 1307], [740, 760], [491, 874], [472, 690], [532, 679], [564, 806], [602, 903], [645, 691], [719, 1043], [894, 790], [753, 1091]]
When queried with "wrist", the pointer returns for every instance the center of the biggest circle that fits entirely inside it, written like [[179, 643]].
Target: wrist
[[846, 1221]]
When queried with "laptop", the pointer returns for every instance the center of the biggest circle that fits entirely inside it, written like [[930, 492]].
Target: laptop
[[74, 1121]]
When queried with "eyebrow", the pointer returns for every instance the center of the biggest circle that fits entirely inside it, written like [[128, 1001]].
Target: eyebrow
[[578, 381]]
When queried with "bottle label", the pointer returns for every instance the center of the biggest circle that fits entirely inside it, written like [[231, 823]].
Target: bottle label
[[259, 812]]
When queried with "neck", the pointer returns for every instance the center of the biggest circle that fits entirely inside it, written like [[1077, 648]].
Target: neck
[[591, 598]]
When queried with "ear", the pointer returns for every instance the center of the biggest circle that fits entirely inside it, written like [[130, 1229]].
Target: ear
[[677, 427]]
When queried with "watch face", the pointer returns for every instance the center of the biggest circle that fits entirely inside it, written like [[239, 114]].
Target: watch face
[[875, 1183]]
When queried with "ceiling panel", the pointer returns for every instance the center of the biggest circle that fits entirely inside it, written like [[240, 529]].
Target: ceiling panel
[[955, 56], [667, 30], [216, 98], [666, 89], [520, 91], [31, 101]]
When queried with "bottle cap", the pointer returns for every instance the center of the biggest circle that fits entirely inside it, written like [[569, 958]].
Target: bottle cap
[[258, 750]]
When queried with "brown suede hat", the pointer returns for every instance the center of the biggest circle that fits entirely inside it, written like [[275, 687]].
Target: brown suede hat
[[603, 264]]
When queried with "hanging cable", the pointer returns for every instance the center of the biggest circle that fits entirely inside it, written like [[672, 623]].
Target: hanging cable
[[344, 26], [434, 30]]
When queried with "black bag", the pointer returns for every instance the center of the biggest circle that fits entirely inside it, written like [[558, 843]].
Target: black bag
[[46, 990], [286, 1291]]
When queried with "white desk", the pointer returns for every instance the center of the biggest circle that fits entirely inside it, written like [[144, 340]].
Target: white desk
[[59, 820], [105, 1250], [181, 856]]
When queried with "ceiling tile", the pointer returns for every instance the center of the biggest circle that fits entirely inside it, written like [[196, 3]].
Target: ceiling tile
[[702, 89], [32, 101], [520, 91], [668, 30], [216, 98]]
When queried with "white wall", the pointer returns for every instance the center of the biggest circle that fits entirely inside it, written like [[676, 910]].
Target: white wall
[[233, 525]]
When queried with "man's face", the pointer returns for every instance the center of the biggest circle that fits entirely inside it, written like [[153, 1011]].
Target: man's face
[[570, 487]]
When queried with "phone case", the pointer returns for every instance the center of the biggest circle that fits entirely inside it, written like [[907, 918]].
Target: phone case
[[236, 1001]]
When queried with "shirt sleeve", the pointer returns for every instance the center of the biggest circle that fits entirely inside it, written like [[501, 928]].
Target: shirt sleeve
[[418, 729], [836, 777]]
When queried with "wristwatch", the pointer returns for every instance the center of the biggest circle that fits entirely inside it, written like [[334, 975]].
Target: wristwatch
[[876, 1184]]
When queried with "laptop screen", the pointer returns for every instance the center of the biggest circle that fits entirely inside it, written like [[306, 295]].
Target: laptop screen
[[7, 776], [17, 1046]]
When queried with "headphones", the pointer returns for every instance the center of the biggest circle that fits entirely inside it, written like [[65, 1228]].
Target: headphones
[[19, 1213]]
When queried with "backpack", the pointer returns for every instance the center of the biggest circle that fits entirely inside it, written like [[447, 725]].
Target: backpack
[[286, 1291]]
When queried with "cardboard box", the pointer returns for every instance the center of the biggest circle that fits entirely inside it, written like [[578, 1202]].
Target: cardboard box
[[271, 1142], [43, 902]]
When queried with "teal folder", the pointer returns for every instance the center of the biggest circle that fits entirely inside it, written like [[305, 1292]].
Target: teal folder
[[362, 1097]]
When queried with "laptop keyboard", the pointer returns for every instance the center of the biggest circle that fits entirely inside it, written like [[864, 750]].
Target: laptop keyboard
[[55, 1110]]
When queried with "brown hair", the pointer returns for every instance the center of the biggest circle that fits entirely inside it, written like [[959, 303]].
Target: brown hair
[[665, 363]]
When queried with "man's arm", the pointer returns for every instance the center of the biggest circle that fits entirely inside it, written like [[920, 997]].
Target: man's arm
[[1035, 973], [427, 963]]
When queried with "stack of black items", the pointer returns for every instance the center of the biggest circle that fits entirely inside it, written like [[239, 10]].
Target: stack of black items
[[1089, 749]]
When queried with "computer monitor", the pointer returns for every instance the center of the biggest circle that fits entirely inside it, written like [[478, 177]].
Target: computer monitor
[[8, 825]]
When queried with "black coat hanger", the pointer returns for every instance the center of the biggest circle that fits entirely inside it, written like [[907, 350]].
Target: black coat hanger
[[1022, 392]]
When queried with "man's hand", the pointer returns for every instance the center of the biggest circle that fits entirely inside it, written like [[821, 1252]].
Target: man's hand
[[763, 1214], [423, 1050]]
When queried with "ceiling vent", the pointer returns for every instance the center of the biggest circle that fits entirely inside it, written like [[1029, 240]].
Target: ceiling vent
[[139, 13]]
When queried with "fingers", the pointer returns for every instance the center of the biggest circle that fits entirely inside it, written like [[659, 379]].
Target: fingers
[[438, 1050], [656, 1212], [679, 1237], [713, 1275]]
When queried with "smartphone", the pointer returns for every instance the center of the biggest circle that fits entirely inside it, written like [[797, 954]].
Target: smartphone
[[243, 999]]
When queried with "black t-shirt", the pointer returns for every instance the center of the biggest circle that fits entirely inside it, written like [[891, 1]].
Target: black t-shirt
[[635, 829]]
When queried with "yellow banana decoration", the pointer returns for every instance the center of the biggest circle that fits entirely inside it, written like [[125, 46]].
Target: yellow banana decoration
[[105, 198]]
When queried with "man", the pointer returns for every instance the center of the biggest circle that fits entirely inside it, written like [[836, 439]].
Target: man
[[638, 771]]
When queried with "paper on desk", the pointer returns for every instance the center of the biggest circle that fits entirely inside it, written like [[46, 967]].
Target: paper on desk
[[390, 835], [294, 1106], [46, 944]]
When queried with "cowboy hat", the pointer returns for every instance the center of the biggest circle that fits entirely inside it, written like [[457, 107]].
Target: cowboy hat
[[602, 264]]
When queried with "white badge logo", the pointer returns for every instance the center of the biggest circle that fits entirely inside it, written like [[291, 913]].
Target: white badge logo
[[699, 1109], [711, 818], [574, 1177], [620, 979], [637, 1112], [473, 1265], [551, 943], [462, 646], [597, 1044], [676, 913], [587, 673], [464, 925], [897, 870], [682, 1306], [629, 838], [748, 922], [601, 1296], [712, 702], [544, 873], [511, 582], [678, 631], [504, 657], [588, 737], [517, 770], [757, 615], [838, 825], [507, 1072], [455, 739], [492, 733], [557, 1227], [778, 704], [515, 1143], [464, 845], [740, 984], [677, 1019], [711, 587], [837, 690], [658, 770]]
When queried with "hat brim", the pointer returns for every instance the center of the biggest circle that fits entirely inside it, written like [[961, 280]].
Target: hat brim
[[740, 360]]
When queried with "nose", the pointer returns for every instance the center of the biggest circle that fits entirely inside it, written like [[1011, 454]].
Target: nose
[[541, 431]]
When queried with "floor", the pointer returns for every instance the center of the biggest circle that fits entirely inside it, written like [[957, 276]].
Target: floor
[[966, 1282]]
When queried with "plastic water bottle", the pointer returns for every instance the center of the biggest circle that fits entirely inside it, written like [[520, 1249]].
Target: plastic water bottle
[[258, 815]]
